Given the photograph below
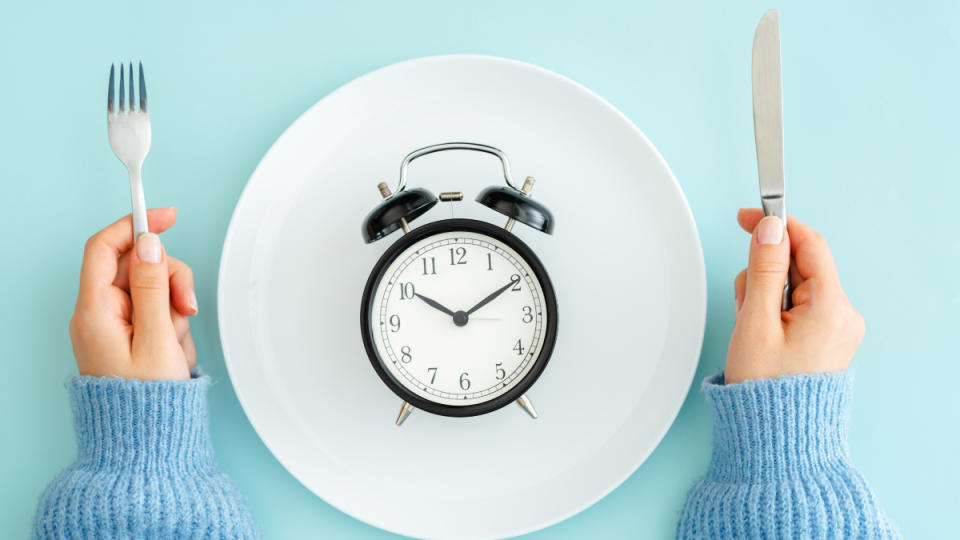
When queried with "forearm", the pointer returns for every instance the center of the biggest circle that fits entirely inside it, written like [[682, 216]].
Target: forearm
[[780, 466], [145, 466]]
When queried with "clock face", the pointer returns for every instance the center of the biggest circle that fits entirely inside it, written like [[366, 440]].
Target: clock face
[[459, 317]]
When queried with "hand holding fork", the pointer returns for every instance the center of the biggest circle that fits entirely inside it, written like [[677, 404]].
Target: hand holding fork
[[129, 133]]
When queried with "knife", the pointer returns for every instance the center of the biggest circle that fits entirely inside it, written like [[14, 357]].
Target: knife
[[768, 123]]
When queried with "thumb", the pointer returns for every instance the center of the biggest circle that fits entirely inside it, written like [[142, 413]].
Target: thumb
[[767, 271], [150, 293]]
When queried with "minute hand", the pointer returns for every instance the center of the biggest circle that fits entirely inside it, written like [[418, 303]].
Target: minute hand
[[433, 303], [490, 298]]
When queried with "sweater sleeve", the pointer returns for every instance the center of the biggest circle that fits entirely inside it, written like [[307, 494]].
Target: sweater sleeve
[[780, 466], [145, 466]]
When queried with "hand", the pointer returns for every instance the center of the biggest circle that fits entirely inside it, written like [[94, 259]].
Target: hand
[[491, 296], [132, 308], [819, 334]]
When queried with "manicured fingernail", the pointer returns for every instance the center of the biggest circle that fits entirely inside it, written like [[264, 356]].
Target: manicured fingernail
[[149, 249], [193, 301], [770, 230]]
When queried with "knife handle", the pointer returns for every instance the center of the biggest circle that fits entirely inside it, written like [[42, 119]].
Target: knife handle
[[776, 206], [785, 300]]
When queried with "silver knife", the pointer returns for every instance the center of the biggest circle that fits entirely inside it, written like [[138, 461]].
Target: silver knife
[[768, 122]]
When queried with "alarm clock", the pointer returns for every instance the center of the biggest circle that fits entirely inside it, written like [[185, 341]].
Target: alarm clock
[[458, 317]]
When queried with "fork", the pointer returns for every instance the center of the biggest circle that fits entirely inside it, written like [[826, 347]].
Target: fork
[[129, 133]]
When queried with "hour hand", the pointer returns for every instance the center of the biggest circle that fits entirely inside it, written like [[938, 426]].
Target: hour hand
[[434, 304]]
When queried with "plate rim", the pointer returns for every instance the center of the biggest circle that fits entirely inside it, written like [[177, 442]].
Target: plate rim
[[699, 270]]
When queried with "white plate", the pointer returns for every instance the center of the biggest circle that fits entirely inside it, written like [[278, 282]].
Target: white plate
[[625, 260]]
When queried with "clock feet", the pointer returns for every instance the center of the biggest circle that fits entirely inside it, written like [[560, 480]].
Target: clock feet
[[405, 411], [527, 405]]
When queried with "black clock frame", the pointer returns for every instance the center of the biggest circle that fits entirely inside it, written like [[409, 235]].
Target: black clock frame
[[452, 225]]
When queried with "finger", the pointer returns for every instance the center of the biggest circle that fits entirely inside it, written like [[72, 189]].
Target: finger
[[740, 288], [803, 294], [748, 218], [124, 306], [182, 293], [767, 272], [122, 281], [795, 277], [811, 253], [189, 350], [100, 254], [150, 293], [181, 324], [810, 249]]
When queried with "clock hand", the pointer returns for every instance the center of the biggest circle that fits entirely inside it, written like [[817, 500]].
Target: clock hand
[[490, 298], [434, 304]]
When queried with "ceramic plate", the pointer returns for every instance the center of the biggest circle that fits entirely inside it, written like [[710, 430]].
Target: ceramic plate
[[625, 260]]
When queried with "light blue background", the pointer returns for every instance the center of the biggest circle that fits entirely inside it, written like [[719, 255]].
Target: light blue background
[[871, 109]]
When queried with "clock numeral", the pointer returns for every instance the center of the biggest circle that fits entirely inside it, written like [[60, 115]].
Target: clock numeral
[[489, 261], [519, 348], [464, 381], [433, 374], [458, 255], [500, 372], [433, 266], [407, 290], [516, 282], [405, 355], [527, 314], [394, 323]]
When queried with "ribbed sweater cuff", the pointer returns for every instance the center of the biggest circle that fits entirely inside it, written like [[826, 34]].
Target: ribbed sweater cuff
[[779, 428], [141, 425]]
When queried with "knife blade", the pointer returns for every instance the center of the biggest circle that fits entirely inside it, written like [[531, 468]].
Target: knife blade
[[768, 122]]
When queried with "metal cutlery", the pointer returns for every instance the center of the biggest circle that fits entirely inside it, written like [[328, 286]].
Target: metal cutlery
[[768, 122], [129, 133]]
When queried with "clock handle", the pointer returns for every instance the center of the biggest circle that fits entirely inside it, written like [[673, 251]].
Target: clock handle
[[456, 146]]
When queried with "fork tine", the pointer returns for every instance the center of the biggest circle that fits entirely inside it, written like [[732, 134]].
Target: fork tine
[[132, 89], [121, 88], [110, 92], [143, 91]]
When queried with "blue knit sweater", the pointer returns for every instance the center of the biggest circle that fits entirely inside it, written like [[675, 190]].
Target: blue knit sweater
[[145, 467], [780, 466]]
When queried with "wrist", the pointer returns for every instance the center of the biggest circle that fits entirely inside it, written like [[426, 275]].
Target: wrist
[[774, 428]]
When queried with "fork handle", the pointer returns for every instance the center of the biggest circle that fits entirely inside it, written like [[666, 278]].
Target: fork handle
[[139, 205]]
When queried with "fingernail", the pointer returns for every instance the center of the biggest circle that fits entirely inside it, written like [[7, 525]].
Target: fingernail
[[770, 230], [193, 301], [149, 249]]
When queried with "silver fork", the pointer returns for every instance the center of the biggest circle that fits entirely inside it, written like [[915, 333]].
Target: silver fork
[[129, 132]]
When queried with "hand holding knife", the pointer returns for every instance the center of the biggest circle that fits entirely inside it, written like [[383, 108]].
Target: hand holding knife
[[768, 123]]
